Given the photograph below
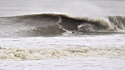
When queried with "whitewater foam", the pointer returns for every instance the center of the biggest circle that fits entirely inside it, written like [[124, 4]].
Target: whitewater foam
[[49, 53]]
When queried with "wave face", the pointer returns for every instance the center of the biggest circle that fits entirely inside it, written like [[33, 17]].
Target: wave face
[[58, 24]]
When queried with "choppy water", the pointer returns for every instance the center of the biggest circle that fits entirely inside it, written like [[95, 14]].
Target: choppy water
[[78, 34], [66, 64]]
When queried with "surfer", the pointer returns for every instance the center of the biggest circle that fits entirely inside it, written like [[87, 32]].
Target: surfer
[[78, 23]]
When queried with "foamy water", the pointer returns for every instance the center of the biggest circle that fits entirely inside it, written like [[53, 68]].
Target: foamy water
[[83, 52]]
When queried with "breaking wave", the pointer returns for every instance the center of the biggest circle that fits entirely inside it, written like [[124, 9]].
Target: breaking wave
[[49, 24], [64, 52]]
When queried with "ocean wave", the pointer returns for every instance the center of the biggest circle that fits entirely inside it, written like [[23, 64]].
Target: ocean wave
[[49, 24]]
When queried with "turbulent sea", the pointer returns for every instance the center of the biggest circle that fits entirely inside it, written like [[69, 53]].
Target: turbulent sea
[[61, 34]]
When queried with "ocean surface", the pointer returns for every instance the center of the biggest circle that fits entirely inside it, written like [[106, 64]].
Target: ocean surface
[[62, 34]]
